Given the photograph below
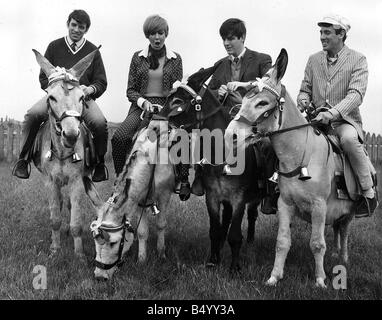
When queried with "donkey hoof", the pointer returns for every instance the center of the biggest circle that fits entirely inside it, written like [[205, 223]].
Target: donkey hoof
[[271, 282], [320, 283]]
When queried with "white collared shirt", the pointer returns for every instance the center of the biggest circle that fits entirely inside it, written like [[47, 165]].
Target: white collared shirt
[[79, 44], [231, 57]]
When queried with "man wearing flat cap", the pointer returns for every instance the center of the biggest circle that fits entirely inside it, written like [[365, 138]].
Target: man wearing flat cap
[[336, 78]]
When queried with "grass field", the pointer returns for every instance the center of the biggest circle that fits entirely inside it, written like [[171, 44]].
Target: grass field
[[25, 240]]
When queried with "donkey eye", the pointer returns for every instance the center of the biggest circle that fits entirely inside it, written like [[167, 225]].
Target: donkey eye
[[52, 98], [176, 102], [262, 103]]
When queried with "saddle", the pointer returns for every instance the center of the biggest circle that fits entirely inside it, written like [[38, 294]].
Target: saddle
[[345, 178], [88, 141]]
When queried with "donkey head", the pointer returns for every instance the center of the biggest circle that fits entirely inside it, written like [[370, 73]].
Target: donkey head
[[65, 98]]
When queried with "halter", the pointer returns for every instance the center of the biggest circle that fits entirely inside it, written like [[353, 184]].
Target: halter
[[280, 97], [196, 101], [101, 231], [260, 84]]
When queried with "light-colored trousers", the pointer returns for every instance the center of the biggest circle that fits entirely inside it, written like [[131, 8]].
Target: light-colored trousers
[[354, 150]]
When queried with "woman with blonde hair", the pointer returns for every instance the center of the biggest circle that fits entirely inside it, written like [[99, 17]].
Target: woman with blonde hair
[[152, 73]]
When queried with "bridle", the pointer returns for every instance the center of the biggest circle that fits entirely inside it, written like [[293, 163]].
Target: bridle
[[61, 74], [196, 101], [101, 231], [280, 101]]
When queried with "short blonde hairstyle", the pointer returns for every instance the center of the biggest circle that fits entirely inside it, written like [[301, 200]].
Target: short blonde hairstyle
[[154, 24]]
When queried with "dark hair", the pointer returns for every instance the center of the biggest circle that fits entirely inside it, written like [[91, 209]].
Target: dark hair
[[232, 27], [154, 24], [80, 16], [338, 31]]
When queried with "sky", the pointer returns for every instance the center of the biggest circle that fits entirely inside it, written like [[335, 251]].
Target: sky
[[193, 33]]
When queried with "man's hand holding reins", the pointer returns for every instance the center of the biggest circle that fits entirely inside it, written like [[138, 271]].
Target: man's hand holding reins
[[87, 90], [234, 85]]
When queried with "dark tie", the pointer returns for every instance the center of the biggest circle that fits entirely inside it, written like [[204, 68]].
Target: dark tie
[[236, 60], [73, 46]]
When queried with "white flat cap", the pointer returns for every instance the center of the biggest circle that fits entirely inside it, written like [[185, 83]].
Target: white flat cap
[[336, 21]]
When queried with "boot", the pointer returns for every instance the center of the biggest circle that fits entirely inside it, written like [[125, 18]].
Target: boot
[[22, 169], [366, 207], [100, 171], [197, 186]]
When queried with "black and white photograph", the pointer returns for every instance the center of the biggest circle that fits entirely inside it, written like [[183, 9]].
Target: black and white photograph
[[191, 155]]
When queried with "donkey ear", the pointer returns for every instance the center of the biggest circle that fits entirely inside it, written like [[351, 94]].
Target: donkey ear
[[80, 67], [281, 65], [45, 65], [92, 193]]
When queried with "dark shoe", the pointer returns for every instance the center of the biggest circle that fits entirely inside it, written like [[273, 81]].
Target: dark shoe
[[269, 204], [22, 169], [100, 173], [184, 191], [366, 207], [197, 186]]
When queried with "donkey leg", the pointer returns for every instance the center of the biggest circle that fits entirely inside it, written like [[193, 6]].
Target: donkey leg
[[235, 237], [336, 240], [55, 203], [226, 222], [283, 242], [344, 236], [252, 214], [161, 225], [213, 207], [76, 219], [317, 242], [143, 234]]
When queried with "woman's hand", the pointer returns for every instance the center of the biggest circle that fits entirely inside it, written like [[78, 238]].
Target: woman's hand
[[148, 107]]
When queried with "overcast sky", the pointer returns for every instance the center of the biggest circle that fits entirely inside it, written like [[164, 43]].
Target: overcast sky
[[194, 33]]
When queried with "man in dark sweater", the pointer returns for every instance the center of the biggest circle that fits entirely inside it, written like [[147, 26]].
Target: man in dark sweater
[[66, 52]]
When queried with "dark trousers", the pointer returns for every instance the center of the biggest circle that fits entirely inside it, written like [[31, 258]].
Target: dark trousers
[[91, 114], [122, 140]]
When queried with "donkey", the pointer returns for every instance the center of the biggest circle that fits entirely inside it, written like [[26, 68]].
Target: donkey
[[297, 145], [144, 185], [59, 150], [191, 106]]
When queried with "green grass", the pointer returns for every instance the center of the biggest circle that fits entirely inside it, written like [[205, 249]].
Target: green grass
[[25, 241]]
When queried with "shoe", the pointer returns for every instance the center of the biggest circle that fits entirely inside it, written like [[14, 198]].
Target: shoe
[[100, 173], [366, 207], [269, 204], [197, 186], [22, 169], [184, 191]]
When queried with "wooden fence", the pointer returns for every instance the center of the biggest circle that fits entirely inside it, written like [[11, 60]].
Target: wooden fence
[[10, 142]]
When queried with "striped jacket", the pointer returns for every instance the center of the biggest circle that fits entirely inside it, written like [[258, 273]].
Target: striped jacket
[[139, 75], [343, 87]]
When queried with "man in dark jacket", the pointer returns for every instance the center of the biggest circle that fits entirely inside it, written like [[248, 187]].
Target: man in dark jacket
[[66, 52], [241, 65]]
